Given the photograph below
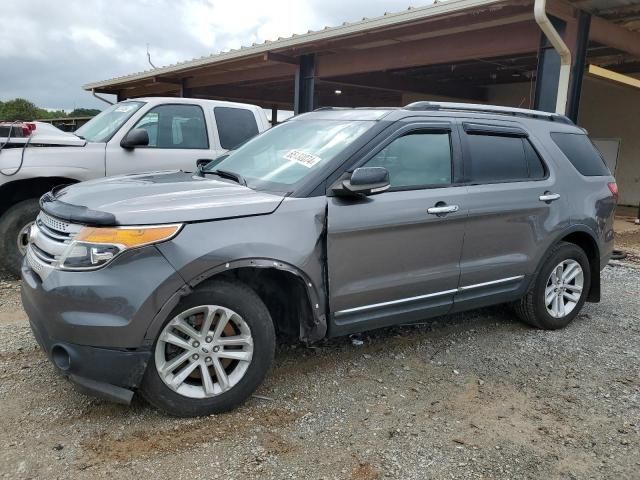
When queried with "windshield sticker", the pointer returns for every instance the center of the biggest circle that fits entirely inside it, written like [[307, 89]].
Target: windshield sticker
[[302, 158], [124, 108]]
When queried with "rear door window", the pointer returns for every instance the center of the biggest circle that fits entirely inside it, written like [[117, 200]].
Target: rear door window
[[534, 162], [235, 126], [501, 158], [581, 153]]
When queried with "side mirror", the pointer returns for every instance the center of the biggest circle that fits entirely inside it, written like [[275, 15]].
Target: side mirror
[[367, 181], [201, 162], [138, 137]]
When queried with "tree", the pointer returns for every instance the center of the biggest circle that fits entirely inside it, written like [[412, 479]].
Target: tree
[[84, 112], [43, 114], [18, 109]]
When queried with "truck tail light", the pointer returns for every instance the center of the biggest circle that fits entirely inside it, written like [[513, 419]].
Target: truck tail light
[[16, 129], [613, 188]]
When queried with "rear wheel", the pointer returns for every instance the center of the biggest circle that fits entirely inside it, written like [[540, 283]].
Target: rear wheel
[[559, 290], [212, 353], [15, 224]]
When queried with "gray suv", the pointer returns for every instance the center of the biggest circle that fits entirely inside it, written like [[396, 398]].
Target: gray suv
[[175, 284]]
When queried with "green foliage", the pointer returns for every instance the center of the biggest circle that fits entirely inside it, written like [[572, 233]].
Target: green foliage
[[84, 112], [21, 109], [18, 109], [45, 114]]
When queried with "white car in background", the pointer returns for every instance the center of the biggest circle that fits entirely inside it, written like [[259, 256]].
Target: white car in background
[[138, 135]]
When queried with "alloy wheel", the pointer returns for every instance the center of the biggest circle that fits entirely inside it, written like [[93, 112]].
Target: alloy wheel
[[204, 351], [564, 288]]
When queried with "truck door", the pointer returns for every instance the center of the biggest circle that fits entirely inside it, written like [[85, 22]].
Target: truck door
[[395, 256], [178, 136]]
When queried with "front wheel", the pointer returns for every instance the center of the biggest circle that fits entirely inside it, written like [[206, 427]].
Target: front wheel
[[559, 290], [15, 224], [212, 353]]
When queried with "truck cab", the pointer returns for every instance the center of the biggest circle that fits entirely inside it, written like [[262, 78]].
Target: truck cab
[[137, 135]]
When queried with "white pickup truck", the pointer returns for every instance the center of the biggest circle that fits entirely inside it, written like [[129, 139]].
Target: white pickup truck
[[139, 135]]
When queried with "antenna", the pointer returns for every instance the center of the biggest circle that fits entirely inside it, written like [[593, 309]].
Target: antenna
[[149, 58]]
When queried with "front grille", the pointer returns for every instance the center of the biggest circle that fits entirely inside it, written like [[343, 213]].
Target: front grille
[[48, 243], [39, 267], [54, 223]]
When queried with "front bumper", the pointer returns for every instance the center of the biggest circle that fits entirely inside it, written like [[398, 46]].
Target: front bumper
[[93, 325], [102, 372]]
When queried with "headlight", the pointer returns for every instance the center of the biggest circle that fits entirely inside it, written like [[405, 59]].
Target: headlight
[[94, 247]]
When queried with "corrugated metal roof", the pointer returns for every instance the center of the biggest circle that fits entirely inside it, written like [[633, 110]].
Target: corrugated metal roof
[[625, 13], [347, 28]]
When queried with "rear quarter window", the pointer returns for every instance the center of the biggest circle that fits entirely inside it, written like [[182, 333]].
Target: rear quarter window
[[235, 126], [582, 154]]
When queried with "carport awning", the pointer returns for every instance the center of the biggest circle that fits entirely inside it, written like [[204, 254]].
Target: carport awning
[[454, 49]]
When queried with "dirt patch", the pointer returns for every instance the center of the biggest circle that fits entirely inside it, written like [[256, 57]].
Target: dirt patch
[[142, 443], [629, 242], [364, 471]]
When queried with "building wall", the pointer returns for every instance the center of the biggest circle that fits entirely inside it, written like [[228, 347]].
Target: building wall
[[607, 110]]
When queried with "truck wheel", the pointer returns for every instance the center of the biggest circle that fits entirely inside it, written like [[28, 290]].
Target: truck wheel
[[14, 229], [559, 289], [212, 353]]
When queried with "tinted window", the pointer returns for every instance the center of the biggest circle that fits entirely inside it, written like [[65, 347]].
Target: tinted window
[[536, 167], [175, 126], [581, 153], [497, 159], [417, 159], [235, 126]]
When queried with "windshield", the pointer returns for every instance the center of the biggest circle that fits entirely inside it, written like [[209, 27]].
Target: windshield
[[102, 127], [287, 153]]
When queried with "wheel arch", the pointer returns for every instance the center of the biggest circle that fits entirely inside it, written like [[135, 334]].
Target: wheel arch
[[291, 297], [24, 189], [583, 237]]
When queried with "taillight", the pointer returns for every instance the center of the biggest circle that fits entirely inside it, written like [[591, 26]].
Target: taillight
[[27, 128], [613, 188]]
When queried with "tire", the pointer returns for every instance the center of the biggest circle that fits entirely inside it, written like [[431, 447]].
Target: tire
[[248, 320], [12, 224], [533, 307]]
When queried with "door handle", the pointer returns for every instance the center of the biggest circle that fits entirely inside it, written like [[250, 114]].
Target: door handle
[[549, 197], [442, 209]]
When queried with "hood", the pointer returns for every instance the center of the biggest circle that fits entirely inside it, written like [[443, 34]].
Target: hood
[[158, 197]]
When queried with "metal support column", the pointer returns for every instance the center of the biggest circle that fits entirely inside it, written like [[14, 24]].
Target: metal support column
[[579, 65], [548, 72], [184, 90], [304, 100]]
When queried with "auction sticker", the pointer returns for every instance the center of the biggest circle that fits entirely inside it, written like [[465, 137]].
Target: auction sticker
[[302, 158]]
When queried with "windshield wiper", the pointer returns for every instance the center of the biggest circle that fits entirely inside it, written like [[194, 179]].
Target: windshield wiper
[[79, 136], [236, 177]]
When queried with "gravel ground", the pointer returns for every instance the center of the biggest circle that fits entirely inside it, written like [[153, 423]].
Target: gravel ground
[[468, 396]]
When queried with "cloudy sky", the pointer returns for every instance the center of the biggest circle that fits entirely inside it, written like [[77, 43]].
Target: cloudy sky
[[49, 49]]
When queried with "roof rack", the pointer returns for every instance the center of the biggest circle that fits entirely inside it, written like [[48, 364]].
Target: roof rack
[[320, 109], [493, 109]]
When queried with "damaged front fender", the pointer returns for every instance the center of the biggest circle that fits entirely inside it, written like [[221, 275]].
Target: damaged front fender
[[292, 239]]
